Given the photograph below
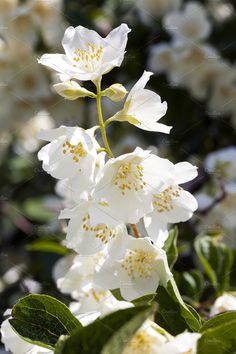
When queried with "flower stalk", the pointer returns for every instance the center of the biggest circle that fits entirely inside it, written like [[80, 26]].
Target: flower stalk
[[100, 118]]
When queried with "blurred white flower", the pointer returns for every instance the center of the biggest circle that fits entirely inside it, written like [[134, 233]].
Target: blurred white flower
[[21, 32], [184, 343], [143, 108], [98, 301], [222, 164], [190, 24], [6, 8], [161, 57], [225, 302], [192, 65], [48, 17], [88, 56], [137, 272], [74, 275], [221, 218], [28, 135], [146, 340], [222, 100], [149, 10]]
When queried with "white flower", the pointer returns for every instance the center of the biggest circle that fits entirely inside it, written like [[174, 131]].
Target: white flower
[[191, 24], [143, 108], [194, 66], [48, 16], [150, 9], [72, 154], [16, 344], [226, 302], [71, 90], [73, 273], [128, 182], [184, 343], [172, 204], [221, 218], [160, 57], [139, 272], [90, 228], [222, 164], [96, 300], [28, 136], [222, 100], [146, 340], [88, 56]]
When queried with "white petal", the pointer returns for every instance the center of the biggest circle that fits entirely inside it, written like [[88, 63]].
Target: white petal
[[184, 206], [184, 172], [156, 228], [141, 83]]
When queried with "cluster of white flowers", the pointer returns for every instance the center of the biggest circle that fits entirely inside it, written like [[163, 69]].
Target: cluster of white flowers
[[217, 198], [24, 85], [190, 62], [110, 196]]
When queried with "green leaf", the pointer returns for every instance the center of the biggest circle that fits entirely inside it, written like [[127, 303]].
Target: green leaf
[[41, 319], [170, 247], [191, 284], [35, 209], [108, 335], [144, 300], [218, 335], [173, 314], [216, 259], [47, 246], [116, 293]]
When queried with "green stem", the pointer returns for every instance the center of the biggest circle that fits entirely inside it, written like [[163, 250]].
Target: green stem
[[101, 122]]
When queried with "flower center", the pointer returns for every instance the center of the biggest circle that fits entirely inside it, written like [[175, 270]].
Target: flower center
[[77, 151], [138, 264], [164, 201], [88, 58], [129, 177], [101, 231], [98, 296], [141, 343]]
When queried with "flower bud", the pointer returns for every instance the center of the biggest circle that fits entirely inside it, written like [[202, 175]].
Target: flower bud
[[71, 90], [115, 92]]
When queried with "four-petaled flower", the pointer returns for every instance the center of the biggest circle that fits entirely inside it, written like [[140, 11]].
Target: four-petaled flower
[[88, 56]]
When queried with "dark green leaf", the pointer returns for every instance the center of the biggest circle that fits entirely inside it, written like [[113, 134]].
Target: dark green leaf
[[144, 300], [108, 335], [191, 284], [216, 259], [117, 294], [170, 247], [41, 319], [173, 314], [218, 335]]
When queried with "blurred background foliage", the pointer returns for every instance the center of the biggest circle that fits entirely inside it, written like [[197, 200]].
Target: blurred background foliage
[[30, 232]]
